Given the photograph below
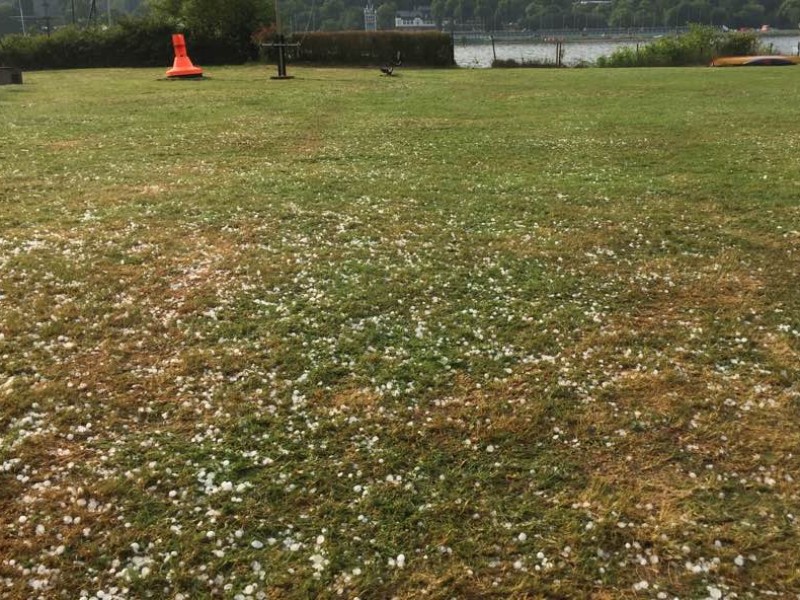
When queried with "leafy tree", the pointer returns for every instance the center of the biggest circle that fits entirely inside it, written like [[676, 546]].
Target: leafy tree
[[331, 10], [751, 14], [237, 18], [621, 14], [7, 22], [485, 10], [438, 11], [166, 9], [790, 11], [353, 18], [385, 14]]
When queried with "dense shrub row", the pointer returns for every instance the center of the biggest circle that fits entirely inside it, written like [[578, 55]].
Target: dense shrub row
[[131, 43], [145, 43], [422, 49], [697, 47]]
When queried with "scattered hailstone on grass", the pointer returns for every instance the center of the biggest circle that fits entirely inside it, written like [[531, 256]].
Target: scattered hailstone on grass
[[257, 544], [739, 561], [398, 562], [318, 562], [642, 585], [714, 592], [522, 537]]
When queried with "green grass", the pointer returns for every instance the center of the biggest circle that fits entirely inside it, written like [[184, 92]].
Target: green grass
[[419, 315]]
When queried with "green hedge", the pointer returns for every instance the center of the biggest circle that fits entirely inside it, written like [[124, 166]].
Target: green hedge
[[147, 43], [698, 47], [131, 43], [418, 49]]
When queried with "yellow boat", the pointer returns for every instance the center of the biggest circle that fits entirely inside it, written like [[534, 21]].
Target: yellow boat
[[770, 60]]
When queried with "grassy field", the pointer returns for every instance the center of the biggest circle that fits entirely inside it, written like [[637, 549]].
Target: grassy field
[[451, 334]]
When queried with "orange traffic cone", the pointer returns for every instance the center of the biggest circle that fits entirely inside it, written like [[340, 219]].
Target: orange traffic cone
[[182, 67]]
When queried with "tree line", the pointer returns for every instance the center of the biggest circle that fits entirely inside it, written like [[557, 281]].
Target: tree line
[[243, 17]]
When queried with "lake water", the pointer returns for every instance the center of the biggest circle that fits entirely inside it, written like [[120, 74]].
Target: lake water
[[480, 55]]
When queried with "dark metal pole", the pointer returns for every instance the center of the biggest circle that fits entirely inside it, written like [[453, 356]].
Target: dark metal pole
[[46, 6], [280, 45], [277, 20], [22, 17], [281, 57]]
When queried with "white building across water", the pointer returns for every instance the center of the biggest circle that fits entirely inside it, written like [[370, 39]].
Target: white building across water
[[419, 18]]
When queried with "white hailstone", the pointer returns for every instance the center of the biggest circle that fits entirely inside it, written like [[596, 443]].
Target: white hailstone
[[490, 448], [739, 561], [714, 593], [518, 564], [226, 486], [22, 518], [257, 544], [249, 589], [320, 540], [210, 534], [318, 562], [401, 561], [522, 537], [39, 529], [642, 585]]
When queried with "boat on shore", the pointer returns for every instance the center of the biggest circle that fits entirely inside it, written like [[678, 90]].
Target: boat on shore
[[768, 60]]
